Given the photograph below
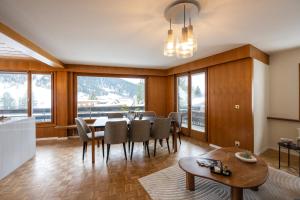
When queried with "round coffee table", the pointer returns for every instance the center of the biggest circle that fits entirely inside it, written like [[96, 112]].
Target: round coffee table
[[244, 175]]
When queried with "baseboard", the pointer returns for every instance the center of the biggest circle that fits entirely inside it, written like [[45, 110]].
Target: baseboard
[[57, 138], [215, 146]]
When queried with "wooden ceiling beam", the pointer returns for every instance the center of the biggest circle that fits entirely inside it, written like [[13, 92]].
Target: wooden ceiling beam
[[20, 43]]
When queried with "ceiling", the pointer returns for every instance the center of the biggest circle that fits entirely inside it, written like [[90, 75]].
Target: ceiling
[[131, 32], [8, 52]]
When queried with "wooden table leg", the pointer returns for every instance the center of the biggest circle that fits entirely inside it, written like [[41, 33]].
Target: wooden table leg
[[93, 145], [175, 137], [190, 181], [279, 157], [288, 157], [236, 193]]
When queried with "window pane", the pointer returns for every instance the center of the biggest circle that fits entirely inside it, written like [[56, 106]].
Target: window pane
[[97, 96], [42, 97], [182, 98], [198, 102], [13, 94]]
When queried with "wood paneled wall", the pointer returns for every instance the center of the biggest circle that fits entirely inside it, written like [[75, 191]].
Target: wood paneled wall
[[157, 94], [160, 89], [230, 84]]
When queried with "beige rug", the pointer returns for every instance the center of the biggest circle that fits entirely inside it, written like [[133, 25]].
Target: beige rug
[[169, 184]]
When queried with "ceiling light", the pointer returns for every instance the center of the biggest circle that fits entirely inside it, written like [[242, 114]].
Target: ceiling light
[[186, 45]]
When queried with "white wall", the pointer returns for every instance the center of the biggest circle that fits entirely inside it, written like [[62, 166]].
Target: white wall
[[284, 95], [260, 106]]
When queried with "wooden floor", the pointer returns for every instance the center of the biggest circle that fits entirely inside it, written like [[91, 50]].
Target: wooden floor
[[57, 171]]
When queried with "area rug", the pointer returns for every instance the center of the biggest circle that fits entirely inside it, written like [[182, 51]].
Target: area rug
[[169, 184]]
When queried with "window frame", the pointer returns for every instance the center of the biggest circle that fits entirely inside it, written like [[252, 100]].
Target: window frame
[[100, 75], [29, 92]]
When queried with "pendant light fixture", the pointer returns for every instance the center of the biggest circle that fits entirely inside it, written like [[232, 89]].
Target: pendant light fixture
[[183, 46], [186, 44], [169, 46]]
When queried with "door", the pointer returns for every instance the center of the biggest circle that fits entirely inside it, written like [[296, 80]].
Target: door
[[191, 102]]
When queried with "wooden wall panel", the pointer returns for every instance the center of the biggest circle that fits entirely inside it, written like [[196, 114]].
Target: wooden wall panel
[[230, 84], [171, 98], [157, 94]]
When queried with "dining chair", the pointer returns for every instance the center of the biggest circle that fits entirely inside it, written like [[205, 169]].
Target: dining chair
[[115, 132], [177, 117], [161, 130], [139, 131], [85, 135], [149, 114], [115, 115]]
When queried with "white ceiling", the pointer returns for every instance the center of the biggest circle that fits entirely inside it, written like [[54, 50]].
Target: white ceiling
[[131, 32]]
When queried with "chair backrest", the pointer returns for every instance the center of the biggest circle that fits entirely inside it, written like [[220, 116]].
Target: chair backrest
[[148, 114], [161, 128], [139, 130], [115, 115], [115, 132], [177, 116], [82, 131]]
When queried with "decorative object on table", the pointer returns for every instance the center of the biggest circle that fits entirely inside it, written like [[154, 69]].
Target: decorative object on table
[[2, 118], [245, 156], [286, 140], [215, 166], [131, 115], [140, 116]]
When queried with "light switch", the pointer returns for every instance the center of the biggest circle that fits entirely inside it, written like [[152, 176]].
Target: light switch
[[237, 107]]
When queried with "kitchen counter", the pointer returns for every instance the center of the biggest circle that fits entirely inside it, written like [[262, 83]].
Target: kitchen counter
[[17, 143]]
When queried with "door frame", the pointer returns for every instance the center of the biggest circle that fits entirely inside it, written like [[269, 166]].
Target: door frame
[[203, 136]]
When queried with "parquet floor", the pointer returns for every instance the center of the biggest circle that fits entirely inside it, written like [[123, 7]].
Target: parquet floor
[[57, 171]]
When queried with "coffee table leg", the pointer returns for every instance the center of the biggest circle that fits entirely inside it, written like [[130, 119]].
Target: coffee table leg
[[190, 181], [236, 193]]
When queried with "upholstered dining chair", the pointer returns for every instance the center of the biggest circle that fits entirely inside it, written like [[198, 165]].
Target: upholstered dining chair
[[161, 130], [85, 134], [149, 114], [139, 132], [177, 117], [115, 132], [115, 115]]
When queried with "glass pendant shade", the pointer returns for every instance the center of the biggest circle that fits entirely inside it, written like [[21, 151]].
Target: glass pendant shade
[[191, 39], [169, 46], [183, 47]]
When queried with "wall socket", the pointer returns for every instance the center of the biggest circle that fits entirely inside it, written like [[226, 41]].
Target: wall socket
[[237, 143]]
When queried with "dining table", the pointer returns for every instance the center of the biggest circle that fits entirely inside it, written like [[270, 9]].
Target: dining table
[[101, 121]]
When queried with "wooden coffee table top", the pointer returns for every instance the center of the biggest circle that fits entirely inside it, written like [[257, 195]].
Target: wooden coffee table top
[[244, 175]]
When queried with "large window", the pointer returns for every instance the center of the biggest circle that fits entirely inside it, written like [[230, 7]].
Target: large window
[[13, 94], [41, 101], [97, 96], [15, 98]]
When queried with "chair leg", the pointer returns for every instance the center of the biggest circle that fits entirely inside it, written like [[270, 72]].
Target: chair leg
[[85, 147], [168, 144], [155, 146], [161, 142], [103, 148], [147, 146], [107, 154], [128, 147], [179, 137], [98, 143], [124, 148], [132, 146], [83, 150]]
